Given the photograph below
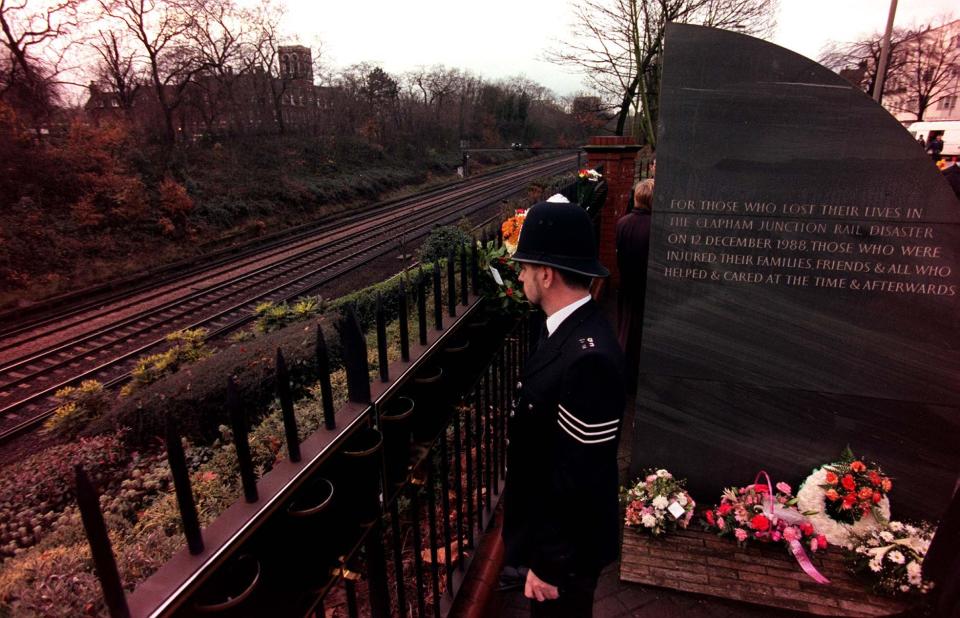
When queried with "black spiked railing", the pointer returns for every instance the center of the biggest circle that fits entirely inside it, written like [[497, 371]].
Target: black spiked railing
[[403, 319], [469, 457], [241, 442], [464, 290], [415, 508], [355, 358], [451, 285], [286, 408], [460, 455], [88, 501], [437, 298], [181, 483], [458, 482], [432, 526], [422, 308], [326, 389], [377, 571], [381, 318], [396, 527], [445, 502], [475, 267]]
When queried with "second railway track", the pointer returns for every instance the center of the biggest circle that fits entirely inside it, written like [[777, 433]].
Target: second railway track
[[222, 297]]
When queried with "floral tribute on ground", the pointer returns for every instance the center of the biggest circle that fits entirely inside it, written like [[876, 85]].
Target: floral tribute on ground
[[657, 503], [763, 513], [892, 557], [847, 497]]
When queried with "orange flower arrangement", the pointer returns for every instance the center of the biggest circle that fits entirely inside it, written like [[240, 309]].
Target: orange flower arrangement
[[510, 230]]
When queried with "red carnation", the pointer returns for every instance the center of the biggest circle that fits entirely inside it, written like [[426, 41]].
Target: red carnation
[[848, 483], [866, 493], [832, 495], [759, 522], [831, 478], [874, 477], [760, 488], [710, 518], [857, 466], [724, 509], [877, 497], [886, 484], [849, 500], [806, 528], [821, 542]]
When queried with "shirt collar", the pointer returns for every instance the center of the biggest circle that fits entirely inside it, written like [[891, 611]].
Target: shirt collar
[[554, 321]]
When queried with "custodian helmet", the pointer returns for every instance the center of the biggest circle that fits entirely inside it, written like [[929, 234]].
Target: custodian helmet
[[561, 236]]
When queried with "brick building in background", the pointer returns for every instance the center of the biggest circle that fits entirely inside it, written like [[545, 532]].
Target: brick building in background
[[251, 101]]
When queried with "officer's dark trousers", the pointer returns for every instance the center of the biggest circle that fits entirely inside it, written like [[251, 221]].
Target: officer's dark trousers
[[576, 599]]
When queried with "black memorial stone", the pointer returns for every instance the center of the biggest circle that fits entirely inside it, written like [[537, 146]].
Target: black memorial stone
[[802, 291]]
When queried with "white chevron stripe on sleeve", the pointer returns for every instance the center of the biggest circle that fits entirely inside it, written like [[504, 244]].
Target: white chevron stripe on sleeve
[[585, 434], [579, 439], [571, 417]]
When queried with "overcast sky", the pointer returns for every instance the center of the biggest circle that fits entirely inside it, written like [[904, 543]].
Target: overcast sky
[[501, 38]]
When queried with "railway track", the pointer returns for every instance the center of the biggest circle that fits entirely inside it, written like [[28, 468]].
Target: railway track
[[103, 340]]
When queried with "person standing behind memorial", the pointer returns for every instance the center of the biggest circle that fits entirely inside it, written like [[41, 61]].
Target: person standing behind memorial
[[935, 147], [952, 173], [633, 245]]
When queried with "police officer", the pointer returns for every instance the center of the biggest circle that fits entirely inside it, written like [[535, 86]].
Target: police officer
[[561, 516]]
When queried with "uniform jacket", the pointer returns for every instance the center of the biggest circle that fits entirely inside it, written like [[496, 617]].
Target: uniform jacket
[[561, 514]]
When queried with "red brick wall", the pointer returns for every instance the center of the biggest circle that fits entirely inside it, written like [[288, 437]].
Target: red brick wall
[[617, 155]]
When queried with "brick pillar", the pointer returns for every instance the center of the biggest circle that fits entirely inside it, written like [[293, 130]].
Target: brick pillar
[[618, 157]]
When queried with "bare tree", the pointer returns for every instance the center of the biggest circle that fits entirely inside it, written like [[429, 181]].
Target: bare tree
[[30, 61], [116, 67], [924, 67], [931, 71], [268, 39], [224, 48], [162, 30], [858, 60], [618, 44]]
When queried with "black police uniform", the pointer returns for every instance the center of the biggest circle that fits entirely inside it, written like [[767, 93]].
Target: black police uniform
[[561, 514]]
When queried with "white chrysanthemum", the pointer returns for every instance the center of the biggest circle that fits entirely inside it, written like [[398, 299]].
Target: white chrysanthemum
[[896, 526], [663, 474], [811, 499], [660, 502], [875, 566], [682, 499], [914, 572], [895, 556], [904, 588], [886, 536], [648, 521]]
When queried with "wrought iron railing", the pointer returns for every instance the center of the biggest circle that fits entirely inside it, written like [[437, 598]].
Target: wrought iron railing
[[382, 509]]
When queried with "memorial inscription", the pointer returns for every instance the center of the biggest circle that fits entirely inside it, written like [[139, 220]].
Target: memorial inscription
[[883, 250]]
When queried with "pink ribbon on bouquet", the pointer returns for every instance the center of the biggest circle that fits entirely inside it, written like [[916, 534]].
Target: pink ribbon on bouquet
[[791, 517]]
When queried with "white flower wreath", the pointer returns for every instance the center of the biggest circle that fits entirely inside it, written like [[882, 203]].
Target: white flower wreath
[[812, 501]]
